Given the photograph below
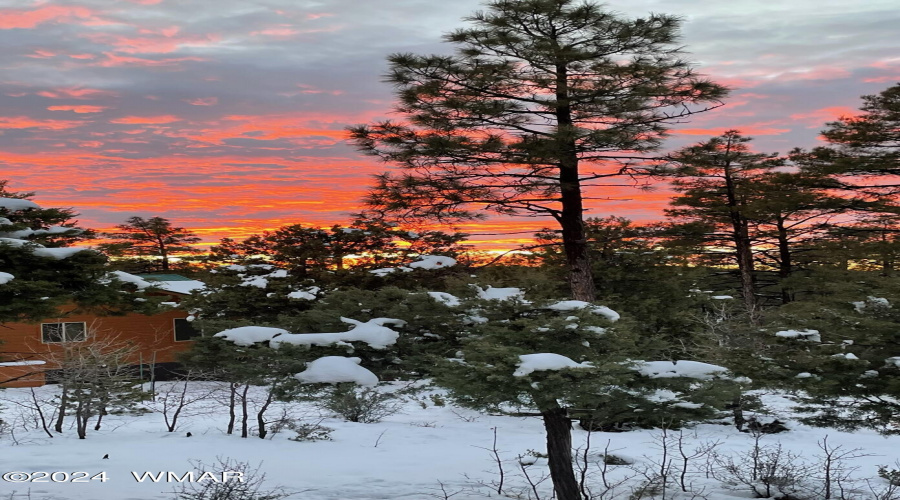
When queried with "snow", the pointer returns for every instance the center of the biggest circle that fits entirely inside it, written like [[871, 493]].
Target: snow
[[257, 281], [895, 360], [424, 262], [848, 355], [310, 293], [433, 262], [141, 283], [14, 242], [182, 287], [59, 253], [39, 250], [336, 369], [15, 204], [491, 293], [671, 369], [873, 303], [388, 270], [722, 297], [445, 298], [529, 363], [23, 363], [249, 335], [416, 448], [5, 278], [372, 332], [572, 305], [807, 335]]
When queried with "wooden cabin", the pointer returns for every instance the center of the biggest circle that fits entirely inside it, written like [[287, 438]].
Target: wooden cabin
[[29, 350]]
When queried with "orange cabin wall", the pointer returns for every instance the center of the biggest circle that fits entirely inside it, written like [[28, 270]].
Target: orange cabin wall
[[151, 334]]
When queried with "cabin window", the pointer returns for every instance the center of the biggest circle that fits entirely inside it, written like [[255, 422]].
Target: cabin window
[[184, 330], [63, 332]]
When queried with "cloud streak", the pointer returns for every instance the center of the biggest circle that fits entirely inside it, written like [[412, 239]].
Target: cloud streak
[[229, 116]]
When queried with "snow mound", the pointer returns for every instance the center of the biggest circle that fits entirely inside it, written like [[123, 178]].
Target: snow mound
[[877, 303], [572, 305], [433, 262], [808, 335], [249, 335], [372, 332], [334, 370], [5, 278], [59, 253], [141, 283], [15, 204], [310, 293], [673, 369], [544, 361], [445, 298], [424, 262], [491, 293]]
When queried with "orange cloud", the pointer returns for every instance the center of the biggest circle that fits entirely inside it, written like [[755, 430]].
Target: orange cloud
[[744, 129], [76, 93], [21, 122], [146, 120], [78, 109]]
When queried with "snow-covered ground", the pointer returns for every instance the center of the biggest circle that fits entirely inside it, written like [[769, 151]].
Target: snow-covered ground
[[406, 456]]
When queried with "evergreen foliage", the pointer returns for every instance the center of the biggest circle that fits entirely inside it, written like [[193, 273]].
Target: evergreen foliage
[[154, 237], [541, 100]]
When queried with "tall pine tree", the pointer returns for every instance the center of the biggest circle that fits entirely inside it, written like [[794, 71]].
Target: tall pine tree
[[542, 99]]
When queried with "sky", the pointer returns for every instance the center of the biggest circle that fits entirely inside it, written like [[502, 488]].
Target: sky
[[228, 117]]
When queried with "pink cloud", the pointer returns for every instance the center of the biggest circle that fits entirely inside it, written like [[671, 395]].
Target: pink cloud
[[203, 101], [818, 118], [78, 108], [113, 60], [27, 19], [146, 120], [41, 54], [162, 42], [21, 122], [76, 93]]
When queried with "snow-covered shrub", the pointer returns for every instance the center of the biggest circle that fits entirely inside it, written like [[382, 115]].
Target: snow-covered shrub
[[767, 471], [360, 404], [309, 431], [249, 487]]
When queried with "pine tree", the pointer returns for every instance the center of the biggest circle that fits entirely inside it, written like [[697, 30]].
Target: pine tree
[[152, 237], [527, 359], [713, 178], [865, 150], [542, 99], [42, 271]]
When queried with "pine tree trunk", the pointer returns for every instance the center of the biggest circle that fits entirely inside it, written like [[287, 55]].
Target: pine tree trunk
[[740, 233], [260, 421], [558, 427], [231, 402], [63, 405], [244, 416], [571, 216], [785, 264]]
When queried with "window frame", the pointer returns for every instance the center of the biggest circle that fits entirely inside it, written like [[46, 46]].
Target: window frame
[[175, 330], [63, 337]]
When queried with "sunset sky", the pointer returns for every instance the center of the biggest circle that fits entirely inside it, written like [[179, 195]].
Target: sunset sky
[[228, 116]]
